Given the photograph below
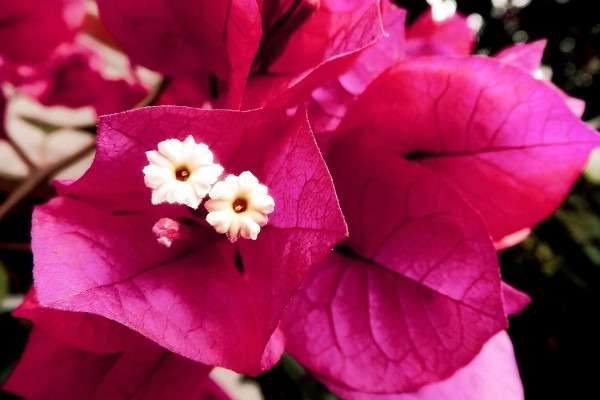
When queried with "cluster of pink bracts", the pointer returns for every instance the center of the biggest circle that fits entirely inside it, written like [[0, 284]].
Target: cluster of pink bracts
[[412, 159]]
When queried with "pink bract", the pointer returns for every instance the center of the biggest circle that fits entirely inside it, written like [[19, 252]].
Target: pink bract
[[191, 298], [188, 38], [242, 53], [414, 292], [513, 299], [73, 78], [506, 141], [317, 51], [492, 375], [452, 36], [31, 30], [528, 56], [86, 332], [424, 37], [81, 365], [329, 101], [435, 155]]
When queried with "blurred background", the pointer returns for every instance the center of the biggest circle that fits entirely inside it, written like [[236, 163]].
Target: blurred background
[[556, 339]]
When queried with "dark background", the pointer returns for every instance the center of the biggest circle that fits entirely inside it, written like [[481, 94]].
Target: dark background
[[557, 338]]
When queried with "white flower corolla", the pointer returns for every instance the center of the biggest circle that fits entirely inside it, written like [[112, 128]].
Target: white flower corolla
[[238, 206], [181, 172]]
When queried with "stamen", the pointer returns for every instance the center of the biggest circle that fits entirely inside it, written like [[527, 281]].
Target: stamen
[[182, 173], [239, 205]]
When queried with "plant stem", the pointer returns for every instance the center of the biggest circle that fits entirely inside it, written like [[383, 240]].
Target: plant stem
[[24, 157], [40, 176]]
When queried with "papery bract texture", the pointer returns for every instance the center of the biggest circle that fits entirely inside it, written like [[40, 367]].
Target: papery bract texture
[[528, 56], [320, 50], [130, 368], [205, 298], [330, 101], [414, 292], [242, 53], [86, 332], [492, 375], [505, 140], [31, 30], [189, 38]]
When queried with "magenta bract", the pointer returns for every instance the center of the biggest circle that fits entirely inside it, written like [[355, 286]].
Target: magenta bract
[[506, 141], [528, 56], [205, 298], [242, 53], [436, 154], [73, 78], [78, 355], [30, 31], [329, 101], [492, 375], [452, 36], [389, 309], [188, 38]]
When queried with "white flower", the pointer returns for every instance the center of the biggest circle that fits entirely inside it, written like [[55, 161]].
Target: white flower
[[181, 172], [239, 206]]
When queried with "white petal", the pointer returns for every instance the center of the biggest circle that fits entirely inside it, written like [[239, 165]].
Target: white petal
[[217, 205], [260, 218], [222, 190], [264, 204], [156, 158], [247, 182], [220, 220], [172, 149], [249, 228]]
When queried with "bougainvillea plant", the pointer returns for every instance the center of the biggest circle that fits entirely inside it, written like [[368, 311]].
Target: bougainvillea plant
[[338, 191], [99, 359]]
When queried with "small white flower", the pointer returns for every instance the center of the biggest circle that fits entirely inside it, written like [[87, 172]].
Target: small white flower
[[181, 172], [239, 206]]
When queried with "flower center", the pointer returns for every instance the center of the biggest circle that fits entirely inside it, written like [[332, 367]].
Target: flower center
[[182, 173], [239, 205]]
